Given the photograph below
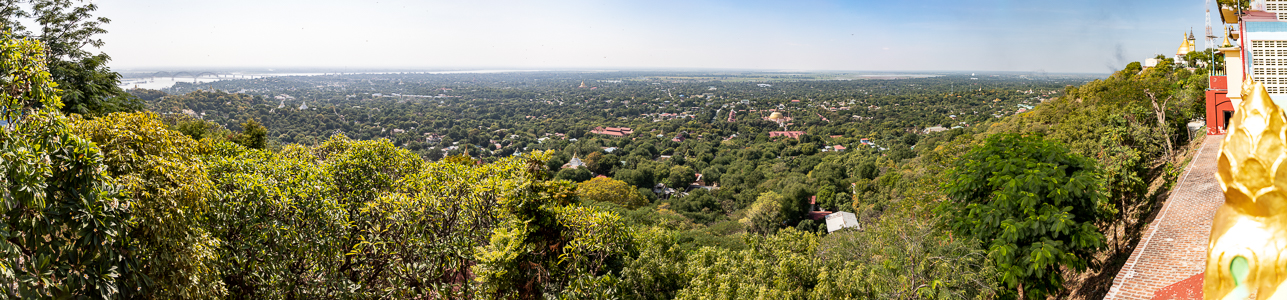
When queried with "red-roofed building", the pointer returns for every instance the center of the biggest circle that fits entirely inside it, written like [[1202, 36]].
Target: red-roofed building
[[790, 134], [613, 131], [814, 213], [819, 215]]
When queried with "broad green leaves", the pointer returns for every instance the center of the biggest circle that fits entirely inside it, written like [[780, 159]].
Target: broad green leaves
[[1033, 204], [167, 191], [63, 232], [280, 234], [546, 243], [25, 85]]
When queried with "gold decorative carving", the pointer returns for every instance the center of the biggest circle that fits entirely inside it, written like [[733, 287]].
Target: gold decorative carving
[[1245, 254]]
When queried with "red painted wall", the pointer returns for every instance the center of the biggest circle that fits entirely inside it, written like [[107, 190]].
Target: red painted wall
[[1219, 82], [1217, 103]]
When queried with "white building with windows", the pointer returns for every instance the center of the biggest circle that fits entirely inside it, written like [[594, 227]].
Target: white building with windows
[[1259, 51]]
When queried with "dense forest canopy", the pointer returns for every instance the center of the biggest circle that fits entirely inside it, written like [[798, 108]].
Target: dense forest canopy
[[478, 111]]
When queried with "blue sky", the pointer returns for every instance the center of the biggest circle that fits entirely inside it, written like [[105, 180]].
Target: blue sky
[[984, 35]]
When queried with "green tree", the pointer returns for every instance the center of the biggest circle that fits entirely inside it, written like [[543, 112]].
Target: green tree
[[63, 221], [779, 266], [197, 129], [658, 271], [595, 163], [167, 191], [826, 197], [909, 257], [680, 177], [252, 135], [1033, 204], [573, 174], [547, 244], [868, 170], [603, 189], [67, 29], [27, 84], [765, 215], [641, 177], [412, 231], [278, 204]]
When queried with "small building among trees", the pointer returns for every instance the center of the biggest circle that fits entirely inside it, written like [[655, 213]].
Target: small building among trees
[[842, 220]]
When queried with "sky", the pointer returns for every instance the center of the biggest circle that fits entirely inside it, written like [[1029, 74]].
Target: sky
[[1091, 36]]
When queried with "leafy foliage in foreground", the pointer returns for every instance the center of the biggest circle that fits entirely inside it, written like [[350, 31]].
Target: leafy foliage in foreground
[[167, 192], [63, 229], [62, 232], [1033, 204], [366, 219]]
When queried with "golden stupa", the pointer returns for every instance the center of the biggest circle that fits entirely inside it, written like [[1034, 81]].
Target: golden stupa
[[1186, 45], [775, 116], [1245, 254]]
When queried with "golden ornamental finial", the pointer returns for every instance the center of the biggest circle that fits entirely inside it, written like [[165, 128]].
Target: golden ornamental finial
[[1248, 88], [1249, 232]]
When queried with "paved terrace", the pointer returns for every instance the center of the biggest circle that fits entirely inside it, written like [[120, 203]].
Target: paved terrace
[[1174, 245]]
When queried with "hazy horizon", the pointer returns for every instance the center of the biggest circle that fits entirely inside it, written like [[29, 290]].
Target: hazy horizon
[[274, 70], [830, 36]]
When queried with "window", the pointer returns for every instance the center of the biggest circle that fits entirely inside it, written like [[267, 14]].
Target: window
[[1275, 6], [1269, 62]]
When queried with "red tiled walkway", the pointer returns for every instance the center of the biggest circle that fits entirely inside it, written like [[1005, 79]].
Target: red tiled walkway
[[1174, 245]]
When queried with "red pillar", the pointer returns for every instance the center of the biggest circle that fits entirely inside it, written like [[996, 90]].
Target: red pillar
[[1218, 105]]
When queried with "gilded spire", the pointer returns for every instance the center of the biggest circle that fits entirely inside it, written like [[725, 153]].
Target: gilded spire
[[1184, 45], [1250, 230]]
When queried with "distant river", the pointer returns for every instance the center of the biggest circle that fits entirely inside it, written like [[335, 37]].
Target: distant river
[[157, 83]]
